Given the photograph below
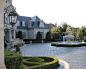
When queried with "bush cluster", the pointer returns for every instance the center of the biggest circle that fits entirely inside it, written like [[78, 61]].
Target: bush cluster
[[13, 60], [18, 45]]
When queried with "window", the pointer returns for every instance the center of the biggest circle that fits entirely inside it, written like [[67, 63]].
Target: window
[[24, 35], [18, 23], [6, 16], [23, 23], [41, 23], [29, 24]]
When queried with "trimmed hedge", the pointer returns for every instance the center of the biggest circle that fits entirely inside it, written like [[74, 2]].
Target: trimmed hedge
[[13, 60], [45, 63], [68, 45]]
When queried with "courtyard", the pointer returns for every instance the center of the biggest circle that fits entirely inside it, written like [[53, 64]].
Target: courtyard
[[74, 56]]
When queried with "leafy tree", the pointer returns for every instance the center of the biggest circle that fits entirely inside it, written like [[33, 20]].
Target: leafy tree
[[83, 28], [39, 36], [56, 35], [73, 31], [79, 34], [59, 29], [54, 29], [48, 36], [20, 34], [64, 26]]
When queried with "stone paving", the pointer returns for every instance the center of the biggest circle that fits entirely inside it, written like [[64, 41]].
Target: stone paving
[[74, 56]]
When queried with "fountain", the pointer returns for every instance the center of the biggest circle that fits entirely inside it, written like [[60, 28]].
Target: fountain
[[68, 40], [68, 35]]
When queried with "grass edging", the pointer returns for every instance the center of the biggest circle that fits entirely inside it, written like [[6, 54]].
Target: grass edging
[[46, 65]]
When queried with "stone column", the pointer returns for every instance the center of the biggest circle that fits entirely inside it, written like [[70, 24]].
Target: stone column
[[14, 34], [10, 35], [2, 4]]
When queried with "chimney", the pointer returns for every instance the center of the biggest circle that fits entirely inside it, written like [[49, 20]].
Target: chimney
[[56, 24]]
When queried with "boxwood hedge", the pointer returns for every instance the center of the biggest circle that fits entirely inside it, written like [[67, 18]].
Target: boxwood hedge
[[46, 63], [68, 45], [13, 60]]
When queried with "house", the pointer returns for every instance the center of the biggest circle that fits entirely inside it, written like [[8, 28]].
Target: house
[[50, 25], [76, 29], [30, 26]]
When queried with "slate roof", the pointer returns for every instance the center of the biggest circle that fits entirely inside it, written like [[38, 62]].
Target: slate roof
[[50, 25], [34, 21]]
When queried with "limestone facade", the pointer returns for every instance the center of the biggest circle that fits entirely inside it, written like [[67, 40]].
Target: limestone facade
[[2, 4]]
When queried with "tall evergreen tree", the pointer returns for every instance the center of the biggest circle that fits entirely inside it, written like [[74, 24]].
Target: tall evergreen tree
[[39, 36], [48, 36]]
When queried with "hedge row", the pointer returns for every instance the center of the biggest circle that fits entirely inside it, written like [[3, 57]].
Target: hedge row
[[68, 45], [13, 60], [50, 62]]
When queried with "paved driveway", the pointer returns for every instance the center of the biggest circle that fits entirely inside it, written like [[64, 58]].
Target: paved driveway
[[74, 56]]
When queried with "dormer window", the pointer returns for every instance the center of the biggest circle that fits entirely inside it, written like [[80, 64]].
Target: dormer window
[[18, 23], [29, 24], [23, 23], [41, 23]]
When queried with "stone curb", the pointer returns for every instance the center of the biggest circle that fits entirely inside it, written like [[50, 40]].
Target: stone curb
[[66, 65]]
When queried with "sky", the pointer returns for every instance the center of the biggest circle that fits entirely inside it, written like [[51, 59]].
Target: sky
[[73, 12]]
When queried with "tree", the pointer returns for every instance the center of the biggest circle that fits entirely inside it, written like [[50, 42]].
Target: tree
[[54, 29], [20, 34], [79, 34], [73, 31], [83, 28], [39, 36], [64, 26], [48, 36], [56, 35]]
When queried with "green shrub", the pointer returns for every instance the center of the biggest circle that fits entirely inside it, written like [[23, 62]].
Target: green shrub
[[36, 59], [68, 45], [18, 50], [46, 62], [27, 42], [19, 45], [13, 60]]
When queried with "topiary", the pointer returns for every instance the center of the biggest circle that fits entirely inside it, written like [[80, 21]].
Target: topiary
[[36, 59], [18, 50]]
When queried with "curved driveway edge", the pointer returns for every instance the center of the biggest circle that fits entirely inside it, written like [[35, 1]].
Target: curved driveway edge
[[65, 63]]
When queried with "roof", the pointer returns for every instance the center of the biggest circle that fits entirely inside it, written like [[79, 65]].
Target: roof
[[34, 21], [50, 25], [76, 29]]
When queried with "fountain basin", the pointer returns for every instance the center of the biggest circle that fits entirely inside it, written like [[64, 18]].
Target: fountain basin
[[65, 44]]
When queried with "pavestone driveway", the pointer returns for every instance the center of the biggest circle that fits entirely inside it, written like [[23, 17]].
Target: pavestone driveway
[[74, 56]]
